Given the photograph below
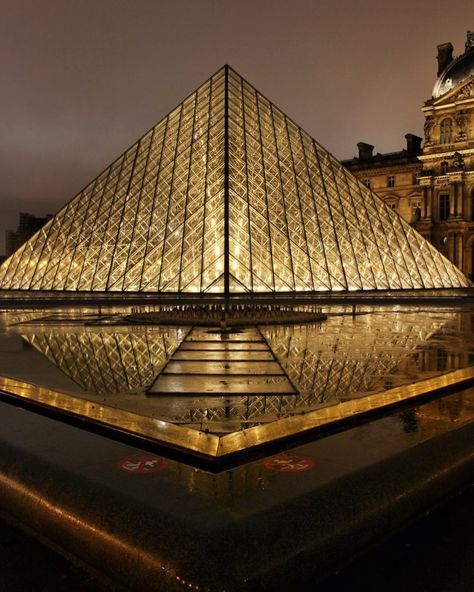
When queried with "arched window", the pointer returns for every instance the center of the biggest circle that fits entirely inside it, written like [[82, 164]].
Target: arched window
[[446, 131]]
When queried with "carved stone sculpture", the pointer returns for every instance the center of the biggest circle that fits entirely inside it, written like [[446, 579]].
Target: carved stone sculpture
[[428, 128], [458, 162], [461, 121]]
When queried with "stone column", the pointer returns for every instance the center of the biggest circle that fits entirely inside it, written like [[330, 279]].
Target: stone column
[[429, 201], [424, 205], [460, 251], [452, 200], [460, 197], [451, 247]]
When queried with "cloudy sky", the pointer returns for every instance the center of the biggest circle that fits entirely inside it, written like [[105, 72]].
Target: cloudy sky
[[81, 80]]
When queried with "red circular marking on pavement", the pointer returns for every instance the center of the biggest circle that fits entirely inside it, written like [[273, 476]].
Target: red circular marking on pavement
[[142, 463], [289, 463]]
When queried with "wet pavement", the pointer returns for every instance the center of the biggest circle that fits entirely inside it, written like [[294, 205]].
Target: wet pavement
[[306, 506], [26, 565], [238, 529], [436, 554]]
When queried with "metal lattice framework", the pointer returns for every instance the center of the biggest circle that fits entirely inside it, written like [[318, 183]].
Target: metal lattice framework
[[227, 194]]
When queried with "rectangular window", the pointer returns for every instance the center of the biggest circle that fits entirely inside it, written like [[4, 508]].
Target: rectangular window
[[391, 181], [444, 207], [415, 211], [367, 183]]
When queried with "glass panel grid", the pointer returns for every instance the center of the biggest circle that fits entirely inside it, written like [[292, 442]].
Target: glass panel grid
[[298, 221]]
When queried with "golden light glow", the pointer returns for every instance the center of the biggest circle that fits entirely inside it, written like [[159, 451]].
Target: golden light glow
[[153, 221], [213, 446], [326, 364]]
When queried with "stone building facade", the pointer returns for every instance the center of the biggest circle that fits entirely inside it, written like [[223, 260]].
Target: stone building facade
[[447, 175], [433, 188], [393, 176]]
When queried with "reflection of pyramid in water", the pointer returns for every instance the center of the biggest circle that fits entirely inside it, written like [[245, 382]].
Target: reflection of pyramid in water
[[326, 365], [226, 194], [108, 362], [326, 368]]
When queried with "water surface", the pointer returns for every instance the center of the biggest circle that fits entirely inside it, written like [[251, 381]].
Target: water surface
[[96, 357]]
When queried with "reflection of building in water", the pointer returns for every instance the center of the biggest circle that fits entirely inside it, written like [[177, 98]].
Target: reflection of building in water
[[335, 364], [108, 362], [445, 350], [342, 358], [339, 362], [429, 418]]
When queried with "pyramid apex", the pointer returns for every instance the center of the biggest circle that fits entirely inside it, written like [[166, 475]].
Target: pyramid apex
[[229, 67]]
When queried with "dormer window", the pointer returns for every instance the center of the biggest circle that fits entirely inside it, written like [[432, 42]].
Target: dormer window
[[446, 131]]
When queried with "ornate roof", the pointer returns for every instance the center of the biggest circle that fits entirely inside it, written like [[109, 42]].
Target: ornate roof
[[455, 72]]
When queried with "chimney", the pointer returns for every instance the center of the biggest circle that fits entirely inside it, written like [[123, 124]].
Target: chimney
[[365, 150], [469, 41], [413, 144], [445, 56]]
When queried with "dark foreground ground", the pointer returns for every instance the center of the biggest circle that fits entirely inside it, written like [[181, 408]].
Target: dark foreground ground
[[434, 555]]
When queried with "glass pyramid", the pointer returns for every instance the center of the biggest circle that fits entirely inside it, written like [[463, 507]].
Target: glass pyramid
[[227, 194]]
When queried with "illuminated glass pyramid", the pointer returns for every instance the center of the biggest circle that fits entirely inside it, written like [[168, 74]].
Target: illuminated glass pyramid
[[226, 194]]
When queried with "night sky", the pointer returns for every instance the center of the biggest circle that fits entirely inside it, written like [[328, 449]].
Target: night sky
[[81, 80]]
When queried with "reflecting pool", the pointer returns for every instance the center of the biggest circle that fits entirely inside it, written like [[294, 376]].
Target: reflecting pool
[[220, 384]]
